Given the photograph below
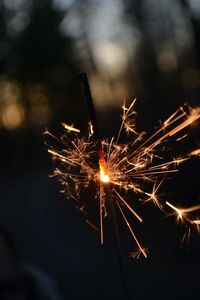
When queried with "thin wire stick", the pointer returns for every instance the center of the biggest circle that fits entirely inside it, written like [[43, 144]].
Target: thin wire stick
[[88, 95]]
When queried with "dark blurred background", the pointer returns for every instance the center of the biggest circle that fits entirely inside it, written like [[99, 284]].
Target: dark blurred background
[[141, 48]]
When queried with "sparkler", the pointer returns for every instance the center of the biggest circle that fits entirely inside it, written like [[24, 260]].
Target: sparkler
[[138, 166]]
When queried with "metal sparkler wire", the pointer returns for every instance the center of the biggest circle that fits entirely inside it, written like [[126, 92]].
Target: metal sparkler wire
[[105, 182], [85, 163]]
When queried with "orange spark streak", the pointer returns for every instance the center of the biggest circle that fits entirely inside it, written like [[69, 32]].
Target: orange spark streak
[[138, 166], [131, 231], [128, 206], [184, 210], [183, 214], [101, 213], [178, 210], [195, 152], [182, 137], [70, 128], [197, 222]]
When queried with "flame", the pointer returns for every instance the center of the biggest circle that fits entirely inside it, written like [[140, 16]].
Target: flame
[[103, 169]]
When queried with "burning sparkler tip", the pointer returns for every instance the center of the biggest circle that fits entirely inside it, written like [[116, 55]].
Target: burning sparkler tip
[[128, 167]]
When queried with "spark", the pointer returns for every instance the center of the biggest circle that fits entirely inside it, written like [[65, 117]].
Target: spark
[[186, 214], [181, 137], [91, 130], [87, 167], [179, 211], [179, 160], [153, 195], [70, 127], [195, 152], [137, 253]]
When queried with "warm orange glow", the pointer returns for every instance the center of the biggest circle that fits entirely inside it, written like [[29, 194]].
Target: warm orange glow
[[179, 211], [195, 152], [103, 172], [137, 165], [70, 128], [185, 214], [12, 116]]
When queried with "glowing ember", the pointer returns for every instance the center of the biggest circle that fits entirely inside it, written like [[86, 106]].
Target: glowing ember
[[137, 166], [103, 170], [70, 128], [195, 152], [184, 214]]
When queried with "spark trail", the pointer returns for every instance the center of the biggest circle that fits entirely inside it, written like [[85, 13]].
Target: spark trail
[[137, 166]]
